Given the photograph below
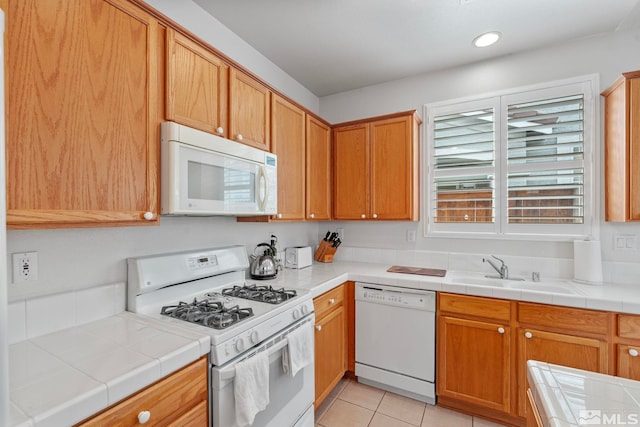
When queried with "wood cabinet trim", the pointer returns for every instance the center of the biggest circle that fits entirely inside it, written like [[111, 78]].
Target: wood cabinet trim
[[412, 113], [582, 321]]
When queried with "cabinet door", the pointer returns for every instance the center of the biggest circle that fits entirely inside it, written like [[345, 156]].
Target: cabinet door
[[197, 84], [318, 188], [351, 172], [474, 362], [589, 354], [288, 143], [330, 352], [83, 108], [249, 117], [628, 361], [392, 169]]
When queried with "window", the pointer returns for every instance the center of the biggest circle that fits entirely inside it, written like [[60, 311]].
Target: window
[[515, 164]]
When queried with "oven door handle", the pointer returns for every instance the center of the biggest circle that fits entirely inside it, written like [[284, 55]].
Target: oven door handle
[[229, 372]]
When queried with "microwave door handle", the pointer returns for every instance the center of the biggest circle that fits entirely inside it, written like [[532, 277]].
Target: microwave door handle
[[263, 180], [229, 372]]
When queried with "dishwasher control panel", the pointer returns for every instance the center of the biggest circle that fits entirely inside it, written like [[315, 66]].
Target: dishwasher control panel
[[391, 295]]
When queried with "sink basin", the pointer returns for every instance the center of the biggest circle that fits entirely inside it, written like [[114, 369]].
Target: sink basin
[[541, 287], [516, 283]]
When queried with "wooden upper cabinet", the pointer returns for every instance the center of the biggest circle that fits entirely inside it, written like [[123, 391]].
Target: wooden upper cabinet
[[351, 172], [84, 82], [622, 148], [288, 143], [377, 168], [249, 111], [318, 161], [197, 85], [395, 168]]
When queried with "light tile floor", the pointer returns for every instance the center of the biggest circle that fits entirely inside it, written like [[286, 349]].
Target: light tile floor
[[352, 404]]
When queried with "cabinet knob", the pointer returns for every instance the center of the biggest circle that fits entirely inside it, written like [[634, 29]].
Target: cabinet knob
[[363, 216], [528, 334], [332, 301], [279, 216], [501, 330], [375, 216], [318, 328], [220, 130], [144, 416], [312, 216], [239, 137], [148, 216], [633, 352]]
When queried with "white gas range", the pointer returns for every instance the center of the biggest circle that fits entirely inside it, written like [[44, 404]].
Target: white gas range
[[206, 290]]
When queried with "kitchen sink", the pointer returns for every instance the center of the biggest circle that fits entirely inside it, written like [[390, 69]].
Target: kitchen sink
[[477, 279]]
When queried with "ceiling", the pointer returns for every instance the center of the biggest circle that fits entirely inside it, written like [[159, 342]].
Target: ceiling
[[331, 46]]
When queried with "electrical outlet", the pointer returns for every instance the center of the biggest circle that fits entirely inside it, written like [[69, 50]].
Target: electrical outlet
[[411, 235], [25, 267]]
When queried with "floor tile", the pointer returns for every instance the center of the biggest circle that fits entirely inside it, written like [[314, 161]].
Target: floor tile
[[324, 406], [382, 420], [362, 395], [479, 422], [345, 414], [435, 416], [402, 408]]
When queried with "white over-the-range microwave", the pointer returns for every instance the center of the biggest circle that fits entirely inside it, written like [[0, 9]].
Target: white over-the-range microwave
[[204, 175]]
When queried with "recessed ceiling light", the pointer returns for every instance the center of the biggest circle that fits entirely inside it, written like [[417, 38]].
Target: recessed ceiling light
[[486, 39]]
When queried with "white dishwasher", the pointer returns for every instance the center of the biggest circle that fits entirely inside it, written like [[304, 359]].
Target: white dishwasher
[[395, 339]]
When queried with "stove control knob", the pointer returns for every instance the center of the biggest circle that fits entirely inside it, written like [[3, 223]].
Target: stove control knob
[[254, 337], [296, 313], [305, 310], [240, 344]]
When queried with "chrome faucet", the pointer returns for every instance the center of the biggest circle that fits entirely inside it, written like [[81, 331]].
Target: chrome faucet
[[503, 270]]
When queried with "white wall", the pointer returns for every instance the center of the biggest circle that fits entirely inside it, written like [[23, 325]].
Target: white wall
[[195, 19], [608, 55]]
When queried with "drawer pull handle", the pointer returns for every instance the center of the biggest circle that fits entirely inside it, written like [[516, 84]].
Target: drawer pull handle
[[633, 352], [318, 328], [501, 330], [332, 301], [528, 335], [144, 416]]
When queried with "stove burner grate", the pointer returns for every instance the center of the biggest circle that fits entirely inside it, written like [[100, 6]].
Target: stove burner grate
[[207, 312], [262, 293]]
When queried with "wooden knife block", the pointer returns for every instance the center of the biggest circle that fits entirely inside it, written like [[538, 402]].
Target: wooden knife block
[[325, 252]]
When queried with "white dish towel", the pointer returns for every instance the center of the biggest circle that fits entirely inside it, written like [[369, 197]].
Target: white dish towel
[[299, 351], [251, 388]]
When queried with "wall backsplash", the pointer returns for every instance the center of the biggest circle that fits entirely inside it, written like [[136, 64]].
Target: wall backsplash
[[72, 259]]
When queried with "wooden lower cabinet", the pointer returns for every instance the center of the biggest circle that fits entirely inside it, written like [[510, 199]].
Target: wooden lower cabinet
[[563, 349], [330, 341], [181, 399], [533, 415], [484, 345], [474, 362]]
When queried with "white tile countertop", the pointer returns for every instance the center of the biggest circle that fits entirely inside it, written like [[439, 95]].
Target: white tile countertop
[[321, 277], [568, 397], [66, 376]]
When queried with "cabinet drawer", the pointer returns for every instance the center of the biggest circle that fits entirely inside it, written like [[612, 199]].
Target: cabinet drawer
[[175, 396], [564, 318], [328, 301], [475, 306], [629, 326]]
